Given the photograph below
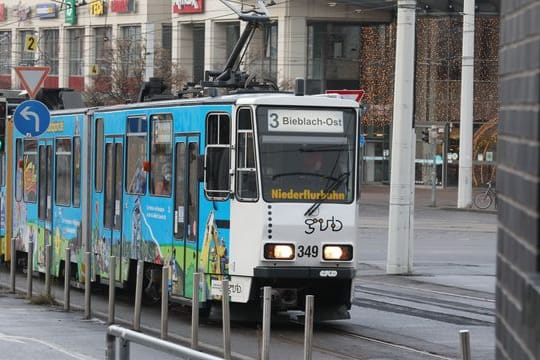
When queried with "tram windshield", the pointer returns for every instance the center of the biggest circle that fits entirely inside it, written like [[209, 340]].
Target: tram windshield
[[307, 154]]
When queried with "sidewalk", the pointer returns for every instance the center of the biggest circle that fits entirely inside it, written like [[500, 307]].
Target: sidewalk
[[375, 194]]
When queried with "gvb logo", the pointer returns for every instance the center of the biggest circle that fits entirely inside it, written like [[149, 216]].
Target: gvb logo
[[328, 273]]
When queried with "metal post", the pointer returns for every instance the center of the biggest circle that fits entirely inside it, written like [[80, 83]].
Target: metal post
[[164, 301], [308, 327], [138, 296], [87, 275], [110, 351], [433, 139], [123, 349], [267, 308], [195, 312], [48, 269], [67, 278], [465, 344], [13, 265], [112, 288], [226, 314], [29, 269]]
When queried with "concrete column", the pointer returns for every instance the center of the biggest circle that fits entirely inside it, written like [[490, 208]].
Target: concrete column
[[184, 54], [466, 115], [88, 52], [292, 48], [15, 58], [210, 45], [149, 30], [63, 53], [400, 235]]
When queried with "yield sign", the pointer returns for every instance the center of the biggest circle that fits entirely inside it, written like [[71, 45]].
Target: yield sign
[[32, 77], [355, 95]]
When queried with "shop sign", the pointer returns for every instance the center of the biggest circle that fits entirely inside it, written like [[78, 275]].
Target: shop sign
[[71, 12], [188, 6], [22, 12], [122, 6], [97, 8], [2, 12], [47, 11]]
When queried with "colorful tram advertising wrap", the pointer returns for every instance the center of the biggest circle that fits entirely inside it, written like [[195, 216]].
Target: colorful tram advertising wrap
[[259, 189]]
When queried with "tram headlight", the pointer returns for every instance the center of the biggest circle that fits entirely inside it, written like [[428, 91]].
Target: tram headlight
[[279, 251], [338, 252]]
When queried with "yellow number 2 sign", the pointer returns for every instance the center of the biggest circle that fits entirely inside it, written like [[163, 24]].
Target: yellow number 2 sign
[[30, 43]]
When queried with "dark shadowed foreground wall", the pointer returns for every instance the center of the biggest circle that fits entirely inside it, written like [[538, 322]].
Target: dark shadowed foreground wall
[[518, 183]]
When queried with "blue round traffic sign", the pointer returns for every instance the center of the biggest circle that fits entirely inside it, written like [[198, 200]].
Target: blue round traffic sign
[[32, 117]]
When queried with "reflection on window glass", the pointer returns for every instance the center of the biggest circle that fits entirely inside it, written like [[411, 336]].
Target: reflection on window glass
[[30, 171], [193, 195], [161, 154], [99, 155], [76, 171], [246, 182], [136, 155], [218, 129], [108, 220], [19, 170], [63, 171]]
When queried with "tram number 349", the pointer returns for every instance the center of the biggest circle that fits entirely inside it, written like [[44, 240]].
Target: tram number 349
[[308, 251]]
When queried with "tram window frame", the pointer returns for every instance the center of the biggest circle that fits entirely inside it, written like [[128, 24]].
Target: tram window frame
[[63, 148], [18, 170], [136, 177], [26, 155], [218, 153], [76, 196], [161, 154], [99, 152], [246, 161]]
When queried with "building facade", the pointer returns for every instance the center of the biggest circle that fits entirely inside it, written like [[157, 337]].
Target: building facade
[[113, 45]]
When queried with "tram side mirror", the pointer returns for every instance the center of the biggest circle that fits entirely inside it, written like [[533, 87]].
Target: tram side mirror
[[217, 182]]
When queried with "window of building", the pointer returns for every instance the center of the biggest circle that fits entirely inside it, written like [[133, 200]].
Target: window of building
[[99, 155], [269, 57], [137, 130], [76, 51], [130, 49], [63, 171], [161, 154], [50, 43], [198, 52], [102, 48], [27, 57], [246, 172], [76, 171], [30, 171], [5, 52]]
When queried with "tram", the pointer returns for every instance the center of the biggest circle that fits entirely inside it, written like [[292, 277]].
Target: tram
[[258, 187]]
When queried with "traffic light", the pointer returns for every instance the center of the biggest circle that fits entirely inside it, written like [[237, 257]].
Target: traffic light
[[425, 136]]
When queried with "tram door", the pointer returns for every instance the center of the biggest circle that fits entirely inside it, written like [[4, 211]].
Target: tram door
[[112, 209], [45, 194], [186, 204]]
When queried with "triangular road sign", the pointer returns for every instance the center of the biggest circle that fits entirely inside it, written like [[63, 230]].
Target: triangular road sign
[[32, 77], [355, 95]]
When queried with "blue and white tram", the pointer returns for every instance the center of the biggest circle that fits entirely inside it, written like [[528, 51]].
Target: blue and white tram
[[257, 188]]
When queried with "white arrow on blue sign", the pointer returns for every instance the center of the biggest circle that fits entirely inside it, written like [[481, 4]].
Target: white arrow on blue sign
[[32, 117]]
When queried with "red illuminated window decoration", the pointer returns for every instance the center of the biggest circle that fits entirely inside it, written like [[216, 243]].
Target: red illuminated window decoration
[[2, 12], [188, 6], [122, 6]]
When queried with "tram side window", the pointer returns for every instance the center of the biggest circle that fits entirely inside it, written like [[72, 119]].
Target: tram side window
[[63, 171], [161, 154], [99, 156], [246, 174], [76, 171], [217, 162], [137, 130], [30, 171], [19, 169]]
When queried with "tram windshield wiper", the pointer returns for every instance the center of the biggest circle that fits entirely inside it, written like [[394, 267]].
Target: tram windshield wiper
[[331, 186]]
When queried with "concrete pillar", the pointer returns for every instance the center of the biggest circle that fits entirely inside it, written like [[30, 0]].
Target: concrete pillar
[[401, 212], [292, 48], [63, 54]]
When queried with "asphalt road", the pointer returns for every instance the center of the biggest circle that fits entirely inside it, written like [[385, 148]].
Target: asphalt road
[[417, 316]]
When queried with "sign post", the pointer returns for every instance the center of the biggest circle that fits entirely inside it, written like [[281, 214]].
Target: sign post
[[32, 77]]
